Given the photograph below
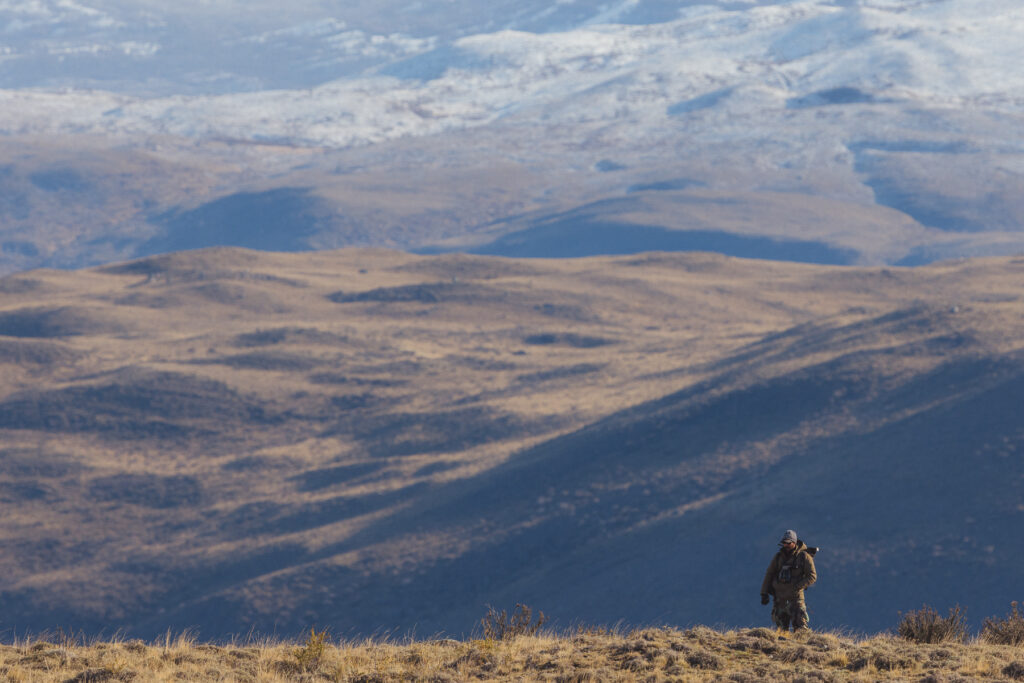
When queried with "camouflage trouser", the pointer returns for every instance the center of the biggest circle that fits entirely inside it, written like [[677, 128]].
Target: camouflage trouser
[[790, 612]]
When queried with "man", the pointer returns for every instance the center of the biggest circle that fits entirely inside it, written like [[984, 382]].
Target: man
[[789, 574]]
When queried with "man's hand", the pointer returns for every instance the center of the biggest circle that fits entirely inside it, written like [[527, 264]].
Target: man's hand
[[764, 598]]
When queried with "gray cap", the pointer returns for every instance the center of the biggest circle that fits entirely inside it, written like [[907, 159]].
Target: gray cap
[[790, 535]]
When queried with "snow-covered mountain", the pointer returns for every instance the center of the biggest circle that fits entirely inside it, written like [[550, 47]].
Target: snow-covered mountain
[[217, 46], [913, 107], [325, 81]]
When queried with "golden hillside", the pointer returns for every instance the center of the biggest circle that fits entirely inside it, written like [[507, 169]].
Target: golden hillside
[[367, 440]]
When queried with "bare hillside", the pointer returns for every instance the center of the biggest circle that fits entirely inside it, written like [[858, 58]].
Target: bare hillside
[[370, 440]]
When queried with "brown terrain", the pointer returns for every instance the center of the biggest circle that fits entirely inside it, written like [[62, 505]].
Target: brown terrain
[[659, 655], [377, 442]]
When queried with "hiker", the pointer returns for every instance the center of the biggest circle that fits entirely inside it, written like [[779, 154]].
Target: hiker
[[789, 574]]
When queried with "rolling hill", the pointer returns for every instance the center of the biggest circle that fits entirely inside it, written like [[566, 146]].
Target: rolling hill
[[376, 441]]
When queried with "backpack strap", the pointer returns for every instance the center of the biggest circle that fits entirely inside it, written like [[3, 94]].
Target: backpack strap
[[797, 564]]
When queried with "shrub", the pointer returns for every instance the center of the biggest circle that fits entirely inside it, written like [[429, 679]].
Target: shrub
[[500, 626], [926, 626], [312, 651], [1007, 631]]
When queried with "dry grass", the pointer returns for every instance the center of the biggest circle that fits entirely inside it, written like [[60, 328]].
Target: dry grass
[[662, 654]]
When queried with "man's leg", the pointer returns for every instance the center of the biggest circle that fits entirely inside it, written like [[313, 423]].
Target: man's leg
[[780, 614], [799, 614]]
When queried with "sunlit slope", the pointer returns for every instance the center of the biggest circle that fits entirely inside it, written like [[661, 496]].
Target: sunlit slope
[[366, 439]]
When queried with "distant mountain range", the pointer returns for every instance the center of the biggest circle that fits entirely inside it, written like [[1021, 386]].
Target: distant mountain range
[[195, 47], [862, 131], [634, 66]]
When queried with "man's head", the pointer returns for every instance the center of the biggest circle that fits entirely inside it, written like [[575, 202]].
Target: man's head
[[788, 540]]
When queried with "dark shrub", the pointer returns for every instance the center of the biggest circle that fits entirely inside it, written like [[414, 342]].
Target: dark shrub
[[1006, 631], [500, 626], [926, 626]]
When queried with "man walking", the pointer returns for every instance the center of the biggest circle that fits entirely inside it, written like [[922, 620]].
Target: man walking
[[791, 571]]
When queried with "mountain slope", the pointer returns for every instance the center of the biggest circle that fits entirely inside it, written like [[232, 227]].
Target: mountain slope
[[372, 440], [669, 510]]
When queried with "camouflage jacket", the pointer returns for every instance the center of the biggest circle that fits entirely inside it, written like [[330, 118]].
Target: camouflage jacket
[[789, 574]]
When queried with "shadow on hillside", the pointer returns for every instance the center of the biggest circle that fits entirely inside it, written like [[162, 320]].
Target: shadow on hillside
[[272, 361], [326, 477], [38, 463], [45, 323], [282, 219], [916, 176], [289, 335], [402, 434], [925, 330], [60, 180], [40, 353], [559, 373], [570, 339], [136, 404], [147, 490], [424, 293], [274, 518]]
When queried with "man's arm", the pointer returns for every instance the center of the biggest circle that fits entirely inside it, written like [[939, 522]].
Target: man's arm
[[769, 577], [810, 574]]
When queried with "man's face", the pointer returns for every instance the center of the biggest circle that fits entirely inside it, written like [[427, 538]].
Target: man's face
[[788, 546]]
